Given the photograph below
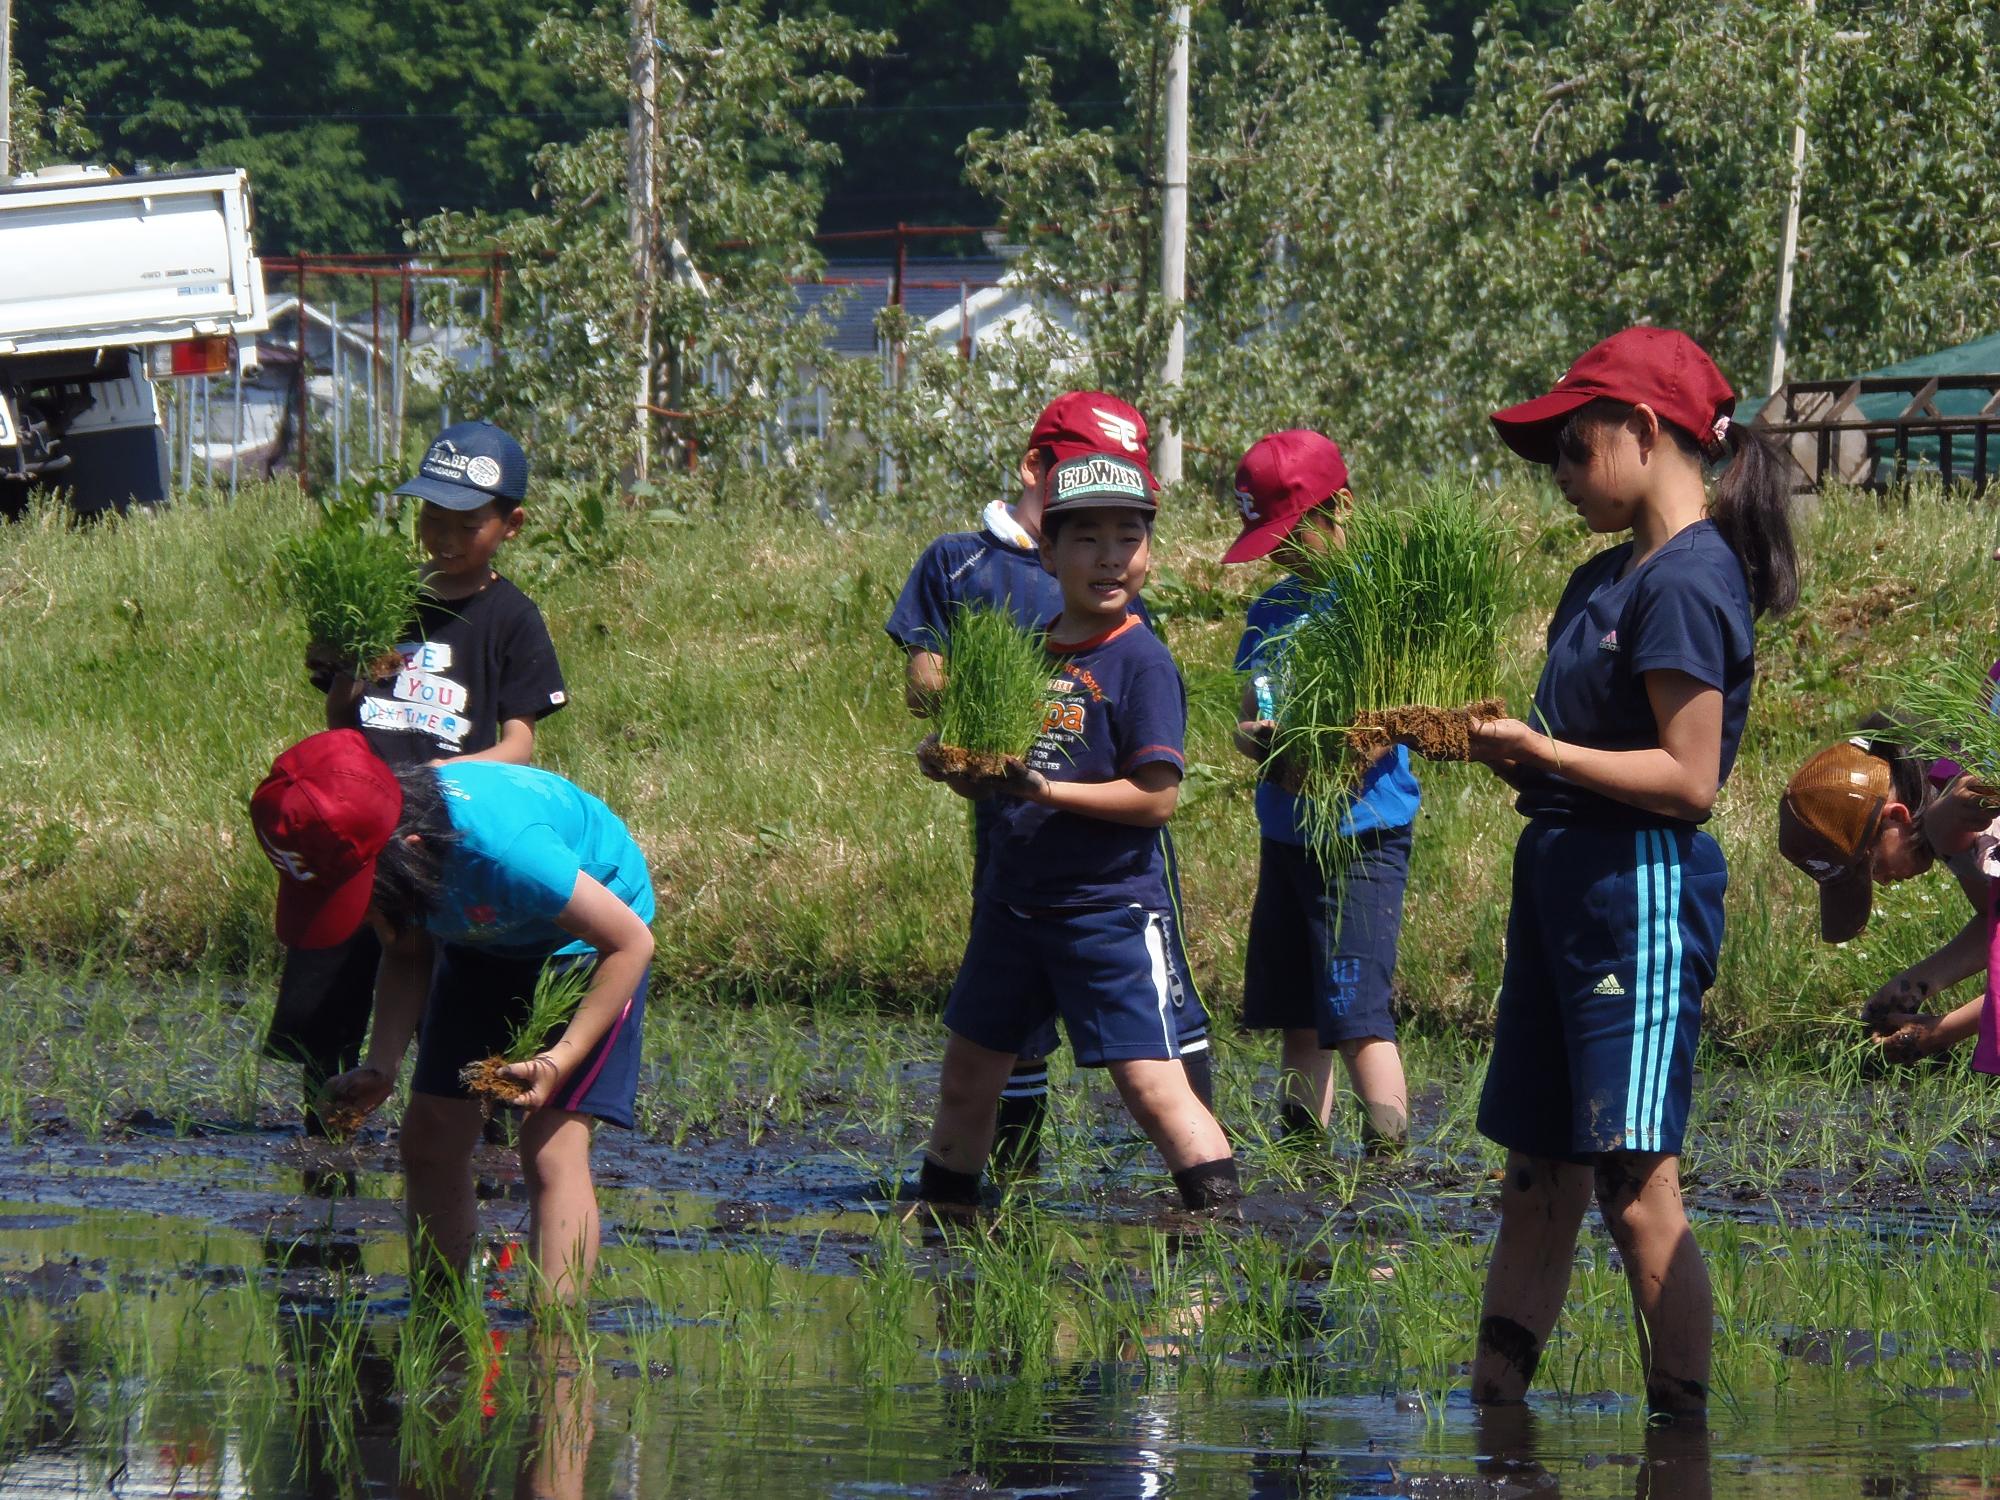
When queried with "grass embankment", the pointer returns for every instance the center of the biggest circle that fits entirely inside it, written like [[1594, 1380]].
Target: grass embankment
[[734, 697]]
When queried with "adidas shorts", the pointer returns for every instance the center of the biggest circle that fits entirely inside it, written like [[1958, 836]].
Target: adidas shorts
[[1612, 939]]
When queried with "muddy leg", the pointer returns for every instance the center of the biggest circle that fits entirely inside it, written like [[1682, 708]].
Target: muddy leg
[[1305, 1090], [969, 1088], [563, 1229], [436, 1141], [1163, 1105], [1639, 1194], [1541, 1208], [1375, 1068]]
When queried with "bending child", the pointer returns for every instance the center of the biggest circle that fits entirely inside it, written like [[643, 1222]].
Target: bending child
[[1319, 961], [1075, 882], [474, 877]]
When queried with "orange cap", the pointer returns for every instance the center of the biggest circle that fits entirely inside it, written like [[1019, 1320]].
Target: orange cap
[[1826, 826]]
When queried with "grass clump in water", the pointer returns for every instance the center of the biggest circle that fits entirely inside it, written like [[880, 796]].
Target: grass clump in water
[[558, 991], [1399, 646], [355, 583], [996, 685]]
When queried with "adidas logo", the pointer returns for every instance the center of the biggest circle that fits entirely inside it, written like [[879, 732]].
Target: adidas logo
[[1608, 642], [1609, 985]]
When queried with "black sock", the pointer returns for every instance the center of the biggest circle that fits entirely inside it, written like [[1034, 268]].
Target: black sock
[[1201, 1076], [1210, 1185], [1296, 1122], [1017, 1143], [939, 1184]]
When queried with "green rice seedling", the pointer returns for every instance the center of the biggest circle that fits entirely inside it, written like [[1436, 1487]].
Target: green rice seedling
[[1401, 645], [995, 688], [559, 989], [356, 586], [1946, 709]]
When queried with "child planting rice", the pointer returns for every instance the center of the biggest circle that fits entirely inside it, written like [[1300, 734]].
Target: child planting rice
[[1616, 918], [473, 876], [990, 708], [1870, 811], [1323, 929], [1074, 887], [999, 567], [469, 673]]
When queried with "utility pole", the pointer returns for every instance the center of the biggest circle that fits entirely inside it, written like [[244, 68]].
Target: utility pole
[[1173, 241], [1788, 252], [642, 214], [6, 89]]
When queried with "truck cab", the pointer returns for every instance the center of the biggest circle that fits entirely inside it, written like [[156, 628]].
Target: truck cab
[[106, 284]]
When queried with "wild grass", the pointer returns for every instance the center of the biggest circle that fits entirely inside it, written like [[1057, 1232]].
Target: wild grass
[[355, 584], [996, 683]]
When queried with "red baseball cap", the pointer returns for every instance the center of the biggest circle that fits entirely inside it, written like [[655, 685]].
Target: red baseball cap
[[323, 816], [1282, 477], [1092, 422], [1662, 367]]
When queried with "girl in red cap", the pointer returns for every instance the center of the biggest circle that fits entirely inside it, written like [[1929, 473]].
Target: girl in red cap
[[1616, 919]]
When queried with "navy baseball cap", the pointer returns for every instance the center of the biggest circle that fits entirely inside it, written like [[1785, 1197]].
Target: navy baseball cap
[[470, 464]]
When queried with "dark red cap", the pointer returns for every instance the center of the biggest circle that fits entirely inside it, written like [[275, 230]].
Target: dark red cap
[[1091, 422], [323, 816], [1662, 367], [1282, 477]]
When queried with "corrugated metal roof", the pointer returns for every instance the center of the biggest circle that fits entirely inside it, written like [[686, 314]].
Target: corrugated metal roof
[[930, 286]]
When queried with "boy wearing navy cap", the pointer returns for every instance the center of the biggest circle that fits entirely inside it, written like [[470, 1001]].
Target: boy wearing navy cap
[[1319, 961], [474, 676], [999, 566], [1074, 887]]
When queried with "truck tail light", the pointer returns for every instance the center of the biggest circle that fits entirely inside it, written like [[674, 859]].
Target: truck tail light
[[190, 357]]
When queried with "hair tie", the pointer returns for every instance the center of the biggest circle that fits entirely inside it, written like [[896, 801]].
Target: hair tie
[[1720, 433]]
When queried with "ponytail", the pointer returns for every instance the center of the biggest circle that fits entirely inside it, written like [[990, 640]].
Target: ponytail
[[1752, 510], [1885, 734]]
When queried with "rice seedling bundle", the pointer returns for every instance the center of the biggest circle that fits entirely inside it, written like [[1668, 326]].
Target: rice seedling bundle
[[1946, 710], [559, 989], [1400, 644], [356, 587], [996, 689]]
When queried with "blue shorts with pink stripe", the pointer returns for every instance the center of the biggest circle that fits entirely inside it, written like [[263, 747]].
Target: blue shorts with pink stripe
[[1612, 940], [478, 996]]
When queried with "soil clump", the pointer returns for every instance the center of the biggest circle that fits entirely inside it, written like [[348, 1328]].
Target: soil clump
[[489, 1079], [1434, 733]]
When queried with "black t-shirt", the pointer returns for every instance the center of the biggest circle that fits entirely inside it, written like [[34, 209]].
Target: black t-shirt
[[469, 666]]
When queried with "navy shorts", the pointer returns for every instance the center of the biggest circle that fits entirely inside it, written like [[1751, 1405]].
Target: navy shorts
[[1108, 972], [478, 998], [1191, 1017], [1323, 959], [1611, 941]]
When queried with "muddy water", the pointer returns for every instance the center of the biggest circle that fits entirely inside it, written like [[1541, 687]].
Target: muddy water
[[733, 1356]]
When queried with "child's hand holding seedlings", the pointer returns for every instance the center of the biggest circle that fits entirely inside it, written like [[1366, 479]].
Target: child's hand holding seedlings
[[972, 788], [1022, 782], [1253, 738]]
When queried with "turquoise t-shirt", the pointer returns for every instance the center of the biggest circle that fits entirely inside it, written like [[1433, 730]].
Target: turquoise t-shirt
[[524, 835]]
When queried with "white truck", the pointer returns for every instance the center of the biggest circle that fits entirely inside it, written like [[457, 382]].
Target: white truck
[[106, 284]]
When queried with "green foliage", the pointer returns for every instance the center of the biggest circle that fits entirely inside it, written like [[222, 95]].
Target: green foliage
[[709, 302], [356, 586], [1409, 611], [350, 115], [996, 683], [1945, 709]]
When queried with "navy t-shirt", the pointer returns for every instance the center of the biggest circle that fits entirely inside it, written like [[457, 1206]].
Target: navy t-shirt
[[1115, 703], [970, 567], [1685, 609], [1388, 796]]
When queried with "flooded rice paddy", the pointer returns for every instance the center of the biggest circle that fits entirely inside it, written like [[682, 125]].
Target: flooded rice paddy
[[195, 1300]]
